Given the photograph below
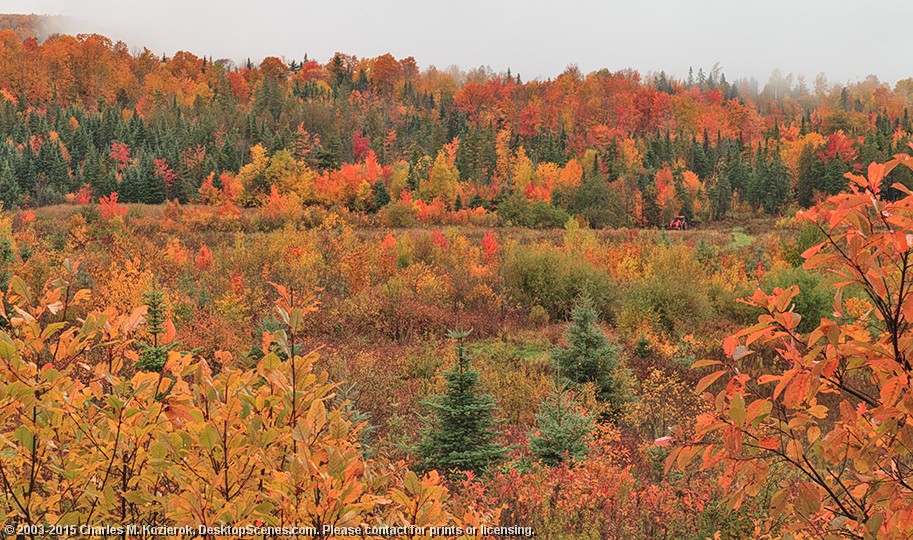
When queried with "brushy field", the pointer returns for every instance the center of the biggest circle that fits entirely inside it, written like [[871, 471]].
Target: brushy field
[[386, 299]]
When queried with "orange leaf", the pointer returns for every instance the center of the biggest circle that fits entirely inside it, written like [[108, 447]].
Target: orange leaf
[[706, 362], [900, 242], [812, 251], [768, 442], [170, 332], [907, 309], [708, 380]]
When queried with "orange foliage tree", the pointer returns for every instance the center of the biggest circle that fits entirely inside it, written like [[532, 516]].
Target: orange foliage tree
[[89, 439], [831, 422]]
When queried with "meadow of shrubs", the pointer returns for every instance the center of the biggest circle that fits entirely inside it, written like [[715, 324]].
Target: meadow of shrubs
[[574, 350]]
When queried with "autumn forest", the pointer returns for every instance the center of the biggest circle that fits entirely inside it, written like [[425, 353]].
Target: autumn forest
[[371, 300]]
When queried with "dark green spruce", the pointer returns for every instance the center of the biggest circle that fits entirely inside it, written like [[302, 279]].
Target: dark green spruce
[[460, 434]]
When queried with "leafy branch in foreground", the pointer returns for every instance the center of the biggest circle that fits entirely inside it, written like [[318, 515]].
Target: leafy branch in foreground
[[836, 411]]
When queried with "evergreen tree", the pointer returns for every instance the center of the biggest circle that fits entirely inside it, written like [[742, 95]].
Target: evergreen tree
[[561, 430], [361, 83], [700, 162], [776, 185], [269, 98], [131, 185], [460, 436], [476, 156], [591, 357], [830, 175], [381, 195], [24, 171], [6, 261], [153, 355], [10, 193], [93, 173], [738, 172], [79, 146], [682, 194], [649, 194], [844, 99], [331, 153], [758, 179], [720, 195], [662, 83], [153, 191]]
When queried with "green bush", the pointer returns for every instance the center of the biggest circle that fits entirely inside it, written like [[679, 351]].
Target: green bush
[[538, 317], [397, 214], [815, 298], [673, 294], [516, 210], [593, 199], [727, 307], [547, 276], [808, 236]]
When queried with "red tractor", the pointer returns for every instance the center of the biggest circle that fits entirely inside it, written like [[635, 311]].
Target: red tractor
[[679, 224]]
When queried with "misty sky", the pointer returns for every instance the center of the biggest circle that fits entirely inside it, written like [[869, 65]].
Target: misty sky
[[847, 40]]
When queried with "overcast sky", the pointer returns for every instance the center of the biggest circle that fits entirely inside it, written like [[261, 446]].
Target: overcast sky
[[847, 40]]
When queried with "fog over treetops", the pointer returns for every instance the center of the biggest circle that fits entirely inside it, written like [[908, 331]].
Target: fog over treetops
[[535, 38]]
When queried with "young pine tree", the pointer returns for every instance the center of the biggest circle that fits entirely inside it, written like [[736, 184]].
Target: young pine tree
[[591, 357], [460, 435], [562, 430], [154, 355]]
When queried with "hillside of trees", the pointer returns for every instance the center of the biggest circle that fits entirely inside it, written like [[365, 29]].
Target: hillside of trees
[[82, 116]]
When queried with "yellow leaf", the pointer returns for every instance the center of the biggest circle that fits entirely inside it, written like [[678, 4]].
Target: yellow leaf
[[411, 483], [859, 490], [737, 409], [818, 411], [814, 433], [794, 450], [209, 437], [7, 349], [707, 362]]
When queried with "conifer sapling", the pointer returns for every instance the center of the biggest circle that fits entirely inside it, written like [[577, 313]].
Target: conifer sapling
[[461, 434]]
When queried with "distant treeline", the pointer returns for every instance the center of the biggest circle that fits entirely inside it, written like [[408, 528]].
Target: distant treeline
[[81, 115]]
